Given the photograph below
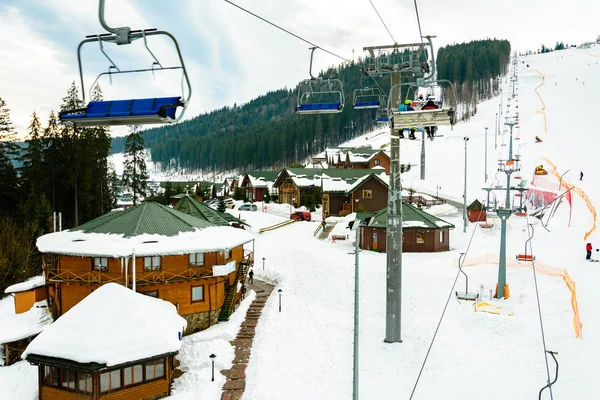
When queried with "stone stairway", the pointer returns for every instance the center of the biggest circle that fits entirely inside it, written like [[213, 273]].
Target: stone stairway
[[236, 376]]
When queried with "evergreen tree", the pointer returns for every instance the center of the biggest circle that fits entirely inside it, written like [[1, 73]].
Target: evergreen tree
[[267, 195], [221, 205], [135, 175], [8, 136], [8, 174]]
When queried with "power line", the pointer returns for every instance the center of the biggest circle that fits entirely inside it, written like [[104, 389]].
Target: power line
[[418, 21], [381, 19], [285, 30]]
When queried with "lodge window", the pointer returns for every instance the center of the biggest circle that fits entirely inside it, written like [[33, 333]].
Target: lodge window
[[197, 293], [152, 293], [367, 194], [51, 375], [155, 369], [67, 379], [110, 380], [441, 236], [84, 382], [196, 259], [100, 264], [152, 263], [133, 374], [420, 237], [226, 254], [376, 162]]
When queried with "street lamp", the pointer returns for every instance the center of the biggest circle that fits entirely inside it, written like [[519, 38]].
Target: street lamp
[[279, 291], [437, 191], [263, 263], [212, 359], [466, 139]]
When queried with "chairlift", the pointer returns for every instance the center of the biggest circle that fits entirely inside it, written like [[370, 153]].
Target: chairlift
[[423, 118], [367, 98], [156, 110], [382, 116], [465, 295], [319, 95]]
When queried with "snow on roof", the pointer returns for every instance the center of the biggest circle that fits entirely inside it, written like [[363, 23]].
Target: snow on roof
[[20, 326], [29, 284], [79, 243], [111, 326], [414, 224]]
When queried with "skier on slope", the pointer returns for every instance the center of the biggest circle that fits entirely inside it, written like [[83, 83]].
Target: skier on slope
[[588, 249], [538, 139]]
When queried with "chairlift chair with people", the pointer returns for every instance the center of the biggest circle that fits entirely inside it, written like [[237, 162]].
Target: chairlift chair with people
[[130, 111]]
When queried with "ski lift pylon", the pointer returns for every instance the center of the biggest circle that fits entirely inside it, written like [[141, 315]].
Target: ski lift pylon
[[156, 110], [319, 95]]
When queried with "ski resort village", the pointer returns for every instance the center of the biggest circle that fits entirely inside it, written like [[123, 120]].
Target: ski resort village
[[317, 200]]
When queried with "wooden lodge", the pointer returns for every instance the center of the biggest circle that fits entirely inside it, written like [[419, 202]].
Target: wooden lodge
[[342, 197], [191, 262], [421, 232], [256, 183], [117, 344], [359, 158]]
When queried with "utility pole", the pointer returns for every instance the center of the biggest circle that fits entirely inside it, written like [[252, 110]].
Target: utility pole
[[466, 139], [356, 316], [485, 162], [496, 133]]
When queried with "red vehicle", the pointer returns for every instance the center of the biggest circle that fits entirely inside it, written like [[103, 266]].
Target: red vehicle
[[300, 215]]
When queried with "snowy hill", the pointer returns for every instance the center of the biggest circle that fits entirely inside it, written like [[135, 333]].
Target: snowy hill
[[305, 351]]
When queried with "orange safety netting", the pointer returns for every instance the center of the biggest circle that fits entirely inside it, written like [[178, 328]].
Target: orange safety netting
[[593, 55], [580, 192], [541, 268], [543, 110]]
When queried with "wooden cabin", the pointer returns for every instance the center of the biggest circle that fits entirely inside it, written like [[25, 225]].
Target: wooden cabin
[[256, 183], [117, 344], [193, 263], [421, 232], [342, 197]]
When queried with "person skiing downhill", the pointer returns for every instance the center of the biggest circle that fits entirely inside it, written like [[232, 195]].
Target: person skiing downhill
[[588, 249], [580, 175]]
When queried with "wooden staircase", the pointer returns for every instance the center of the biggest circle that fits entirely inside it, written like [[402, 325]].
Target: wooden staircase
[[232, 297]]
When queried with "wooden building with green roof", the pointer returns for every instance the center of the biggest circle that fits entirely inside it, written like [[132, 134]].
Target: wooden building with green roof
[[421, 232], [194, 263]]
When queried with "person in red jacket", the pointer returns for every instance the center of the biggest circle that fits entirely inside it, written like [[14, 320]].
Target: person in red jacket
[[588, 249], [430, 105]]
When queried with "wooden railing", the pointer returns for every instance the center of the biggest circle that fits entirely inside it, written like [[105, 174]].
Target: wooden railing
[[424, 201]]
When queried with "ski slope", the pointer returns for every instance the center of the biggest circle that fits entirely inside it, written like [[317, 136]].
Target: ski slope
[[305, 351]]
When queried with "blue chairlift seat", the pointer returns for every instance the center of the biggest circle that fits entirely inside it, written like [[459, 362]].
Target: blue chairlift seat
[[158, 110], [319, 108], [360, 105]]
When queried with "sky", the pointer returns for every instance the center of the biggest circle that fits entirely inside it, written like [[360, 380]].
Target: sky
[[232, 57], [304, 350]]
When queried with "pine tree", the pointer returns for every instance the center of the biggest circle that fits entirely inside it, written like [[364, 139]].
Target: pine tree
[[8, 135], [8, 174], [221, 205], [135, 175]]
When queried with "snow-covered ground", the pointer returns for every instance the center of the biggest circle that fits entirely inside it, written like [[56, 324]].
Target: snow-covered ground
[[305, 351]]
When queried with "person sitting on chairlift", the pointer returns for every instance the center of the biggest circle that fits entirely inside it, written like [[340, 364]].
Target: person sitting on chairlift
[[407, 106], [538, 140], [430, 105]]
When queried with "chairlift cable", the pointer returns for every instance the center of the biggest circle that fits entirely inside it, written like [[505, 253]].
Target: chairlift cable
[[444, 311], [285, 30], [381, 19], [418, 21], [531, 232]]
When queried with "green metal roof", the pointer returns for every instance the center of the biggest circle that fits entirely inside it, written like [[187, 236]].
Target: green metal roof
[[334, 172], [193, 207], [267, 176], [410, 213], [147, 218]]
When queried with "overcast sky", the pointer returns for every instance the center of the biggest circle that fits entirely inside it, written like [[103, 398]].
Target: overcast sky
[[233, 57]]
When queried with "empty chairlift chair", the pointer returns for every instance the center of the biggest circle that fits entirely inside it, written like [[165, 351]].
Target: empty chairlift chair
[[320, 95], [367, 98], [133, 111]]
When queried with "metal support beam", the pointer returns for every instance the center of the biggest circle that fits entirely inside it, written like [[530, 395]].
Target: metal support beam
[[356, 317]]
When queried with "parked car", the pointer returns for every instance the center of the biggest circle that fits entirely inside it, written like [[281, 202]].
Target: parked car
[[300, 215], [229, 203], [248, 207]]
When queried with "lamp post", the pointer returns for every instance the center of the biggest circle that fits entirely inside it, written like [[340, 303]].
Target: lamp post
[[279, 291], [496, 133], [466, 139], [212, 359], [356, 313], [263, 263], [485, 165], [437, 191]]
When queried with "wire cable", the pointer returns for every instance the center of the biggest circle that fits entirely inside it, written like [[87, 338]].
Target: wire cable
[[444, 311], [531, 232], [418, 21], [381, 19], [285, 30]]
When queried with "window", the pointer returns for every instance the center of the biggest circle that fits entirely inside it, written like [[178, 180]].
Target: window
[[155, 369], [367, 194], [226, 254], [68, 379], [51, 375], [84, 382], [110, 380], [198, 293], [441, 236], [196, 259], [133, 374], [153, 293], [420, 237], [152, 263], [376, 162], [100, 264]]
